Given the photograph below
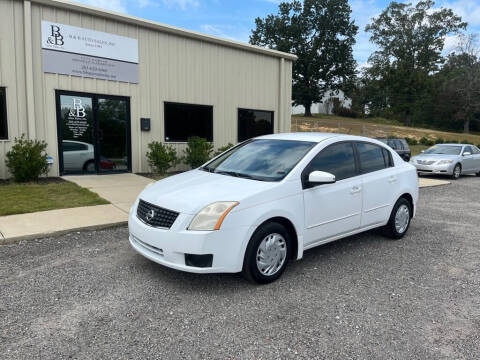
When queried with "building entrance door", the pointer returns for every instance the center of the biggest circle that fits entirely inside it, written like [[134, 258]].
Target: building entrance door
[[93, 133]]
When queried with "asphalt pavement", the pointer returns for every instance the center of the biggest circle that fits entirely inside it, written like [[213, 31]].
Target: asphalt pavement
[[88, 295]]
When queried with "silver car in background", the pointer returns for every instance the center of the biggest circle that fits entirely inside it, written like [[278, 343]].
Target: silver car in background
[[448, 159]]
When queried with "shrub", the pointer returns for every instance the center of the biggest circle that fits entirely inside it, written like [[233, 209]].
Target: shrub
[[223, 149], [411, 141], [161, 157], [452, 141], [198, 151], [439, 140], [27, 159], [465, 141], [426, 141], [343, 111]]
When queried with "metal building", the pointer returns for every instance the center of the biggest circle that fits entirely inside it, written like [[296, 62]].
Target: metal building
[[99, 86]]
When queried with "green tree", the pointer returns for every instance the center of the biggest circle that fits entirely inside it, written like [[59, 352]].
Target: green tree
[[321, 34], [462, 85], [409, 39]]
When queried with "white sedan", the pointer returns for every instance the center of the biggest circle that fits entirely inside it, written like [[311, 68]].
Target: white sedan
[[267, 200]]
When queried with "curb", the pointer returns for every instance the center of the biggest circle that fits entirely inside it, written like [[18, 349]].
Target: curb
[[17, 239]]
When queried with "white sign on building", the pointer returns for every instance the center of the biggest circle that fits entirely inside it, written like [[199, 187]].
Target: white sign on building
[[72, 50]]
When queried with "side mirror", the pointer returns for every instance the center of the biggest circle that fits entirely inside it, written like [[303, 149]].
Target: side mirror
[[466, 153], [321, 177]]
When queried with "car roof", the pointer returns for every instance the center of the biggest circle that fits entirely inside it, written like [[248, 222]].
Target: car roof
[[313, 136]]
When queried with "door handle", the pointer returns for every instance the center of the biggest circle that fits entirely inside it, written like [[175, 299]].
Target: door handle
[[392, 179], [355, 189]]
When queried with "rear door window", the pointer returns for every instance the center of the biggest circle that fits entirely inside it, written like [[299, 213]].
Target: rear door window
[[371, 157]]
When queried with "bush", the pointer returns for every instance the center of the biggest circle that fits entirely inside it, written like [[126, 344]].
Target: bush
[[343, 111], [452, 141], [161, 157], [198, 152], [223, 149], [411, 141], [27, 159], [426, 141], [465, 141], [439, 140]]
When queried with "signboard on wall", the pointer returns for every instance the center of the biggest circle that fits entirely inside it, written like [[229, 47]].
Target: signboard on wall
[[71, 50]]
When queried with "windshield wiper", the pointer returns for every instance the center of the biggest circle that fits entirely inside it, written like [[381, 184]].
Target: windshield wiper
[[225, 172], [206, 168], [236, 174]]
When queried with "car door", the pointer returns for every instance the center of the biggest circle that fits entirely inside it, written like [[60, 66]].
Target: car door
[[379, 180], [476, 157], [332, 209], [468, 161]]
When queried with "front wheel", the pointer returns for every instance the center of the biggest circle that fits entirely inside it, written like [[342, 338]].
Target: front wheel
[[267, 253], [457, 170], [399, 221]]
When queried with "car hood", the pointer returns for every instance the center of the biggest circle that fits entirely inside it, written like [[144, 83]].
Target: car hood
[[435, 157], [191, 191]]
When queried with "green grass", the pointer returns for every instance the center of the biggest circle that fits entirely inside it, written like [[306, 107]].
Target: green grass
[[417, 149], [32, 197]]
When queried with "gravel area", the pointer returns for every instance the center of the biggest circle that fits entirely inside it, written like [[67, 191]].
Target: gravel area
[[88, 295]]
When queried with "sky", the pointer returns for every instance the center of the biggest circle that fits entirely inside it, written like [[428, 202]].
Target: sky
[[234, 19]]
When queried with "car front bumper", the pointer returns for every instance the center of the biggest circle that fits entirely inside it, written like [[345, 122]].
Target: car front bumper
[[444, 169], [168, 247]]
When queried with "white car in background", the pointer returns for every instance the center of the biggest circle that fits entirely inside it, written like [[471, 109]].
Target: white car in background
[[448, 159], [79, 156], [267, 200]]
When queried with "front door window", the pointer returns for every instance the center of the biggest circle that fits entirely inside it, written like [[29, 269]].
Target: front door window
[[94, 133]]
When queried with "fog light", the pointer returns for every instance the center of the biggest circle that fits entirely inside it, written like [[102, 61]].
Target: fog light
[[201, 261]]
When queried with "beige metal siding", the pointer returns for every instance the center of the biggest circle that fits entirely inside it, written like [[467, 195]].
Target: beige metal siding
[[171, 68]]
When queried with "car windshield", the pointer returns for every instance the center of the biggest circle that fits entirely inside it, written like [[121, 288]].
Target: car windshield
[[444, 149], [261, 159]]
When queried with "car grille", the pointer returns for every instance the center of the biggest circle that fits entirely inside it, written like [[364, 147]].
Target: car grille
[[425, 162], [156, 216]]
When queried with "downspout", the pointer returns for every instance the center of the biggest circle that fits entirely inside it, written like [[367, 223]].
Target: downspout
[[27, 31]]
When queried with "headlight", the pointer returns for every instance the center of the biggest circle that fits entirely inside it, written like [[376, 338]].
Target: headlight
[[212, 216], [442, 162]]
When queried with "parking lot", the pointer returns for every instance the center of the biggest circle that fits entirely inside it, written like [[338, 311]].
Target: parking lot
[[89, 295]]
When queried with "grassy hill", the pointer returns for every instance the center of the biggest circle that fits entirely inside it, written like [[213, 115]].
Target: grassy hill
[[376, 127]]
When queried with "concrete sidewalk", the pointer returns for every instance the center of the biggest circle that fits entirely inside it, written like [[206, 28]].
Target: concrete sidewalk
[[120, 189]]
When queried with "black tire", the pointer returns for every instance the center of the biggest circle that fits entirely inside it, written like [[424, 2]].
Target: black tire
[[87, 164], [478, 174], [250, 269], [390, 230], [456, 174]]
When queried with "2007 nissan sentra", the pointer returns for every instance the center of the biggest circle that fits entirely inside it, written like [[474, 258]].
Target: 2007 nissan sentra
[[264, 202]]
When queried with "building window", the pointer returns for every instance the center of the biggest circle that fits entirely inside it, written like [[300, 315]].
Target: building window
[[3, 115], [253, 123], [185, 120]]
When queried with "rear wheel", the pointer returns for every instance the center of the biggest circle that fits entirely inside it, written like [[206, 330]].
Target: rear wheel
[[89, 166], [457, 170], [399, 221], [267, 253]]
